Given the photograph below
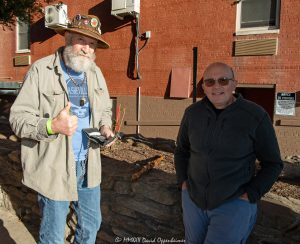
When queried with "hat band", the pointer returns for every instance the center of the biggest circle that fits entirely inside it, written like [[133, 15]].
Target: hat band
[[84, 28]]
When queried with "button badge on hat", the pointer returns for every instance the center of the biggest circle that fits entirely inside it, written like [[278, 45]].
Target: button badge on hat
[[94, 22], [78, 17]]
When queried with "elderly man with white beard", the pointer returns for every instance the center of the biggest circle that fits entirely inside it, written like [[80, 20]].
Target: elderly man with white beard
[[63, 94]]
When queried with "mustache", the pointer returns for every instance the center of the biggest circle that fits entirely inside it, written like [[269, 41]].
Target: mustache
[[81, 53], [74, 54]]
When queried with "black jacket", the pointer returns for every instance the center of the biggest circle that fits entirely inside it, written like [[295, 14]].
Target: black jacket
[[217, 154]]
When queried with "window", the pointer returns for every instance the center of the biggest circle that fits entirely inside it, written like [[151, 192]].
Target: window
[[257, 16], [22, 33]]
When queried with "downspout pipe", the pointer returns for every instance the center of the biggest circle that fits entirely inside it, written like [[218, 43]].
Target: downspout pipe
[[195, 67]]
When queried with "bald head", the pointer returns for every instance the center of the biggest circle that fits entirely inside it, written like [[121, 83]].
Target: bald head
[[219, 84], [218, 66]]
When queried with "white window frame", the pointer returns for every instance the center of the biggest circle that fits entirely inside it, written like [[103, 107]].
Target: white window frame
[[256, 30], [18, 50]]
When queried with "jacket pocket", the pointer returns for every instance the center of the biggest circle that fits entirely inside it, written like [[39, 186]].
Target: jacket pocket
[[52, 102], [100, 98]]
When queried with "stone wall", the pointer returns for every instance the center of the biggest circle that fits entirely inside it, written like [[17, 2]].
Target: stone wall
[[140, 211], [148, 208]]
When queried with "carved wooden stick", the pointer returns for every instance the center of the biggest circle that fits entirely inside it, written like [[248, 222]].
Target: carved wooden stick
[[145, 168]]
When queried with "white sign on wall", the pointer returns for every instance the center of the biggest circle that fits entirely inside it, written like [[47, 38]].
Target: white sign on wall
[[285, 103]]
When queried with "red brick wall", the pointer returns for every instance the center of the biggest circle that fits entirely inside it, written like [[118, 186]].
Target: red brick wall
[[176, 27]]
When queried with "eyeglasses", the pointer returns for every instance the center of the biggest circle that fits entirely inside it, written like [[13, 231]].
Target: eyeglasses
[[223, 81]]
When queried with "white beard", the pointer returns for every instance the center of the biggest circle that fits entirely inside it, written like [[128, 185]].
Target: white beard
[[77, 62]]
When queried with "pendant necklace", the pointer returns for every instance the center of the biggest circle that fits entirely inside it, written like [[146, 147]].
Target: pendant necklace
[[82, 100]]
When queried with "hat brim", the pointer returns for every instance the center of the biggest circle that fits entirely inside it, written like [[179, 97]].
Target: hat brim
[[101, 43]]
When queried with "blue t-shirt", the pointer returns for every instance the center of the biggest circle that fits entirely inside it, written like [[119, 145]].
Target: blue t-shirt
[[76, 93]]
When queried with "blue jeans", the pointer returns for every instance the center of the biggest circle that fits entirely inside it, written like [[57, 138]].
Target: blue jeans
[[87, 210], [230, 223]]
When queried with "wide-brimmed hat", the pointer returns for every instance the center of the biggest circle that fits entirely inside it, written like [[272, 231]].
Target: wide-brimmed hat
[[88, 25]]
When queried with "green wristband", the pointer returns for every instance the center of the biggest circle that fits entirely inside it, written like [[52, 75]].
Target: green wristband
[[49, 129]]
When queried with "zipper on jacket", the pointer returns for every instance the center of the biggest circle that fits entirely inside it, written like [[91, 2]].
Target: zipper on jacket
[[210, 137]]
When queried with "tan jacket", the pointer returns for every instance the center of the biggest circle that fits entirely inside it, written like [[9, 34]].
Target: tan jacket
[[48, 161]]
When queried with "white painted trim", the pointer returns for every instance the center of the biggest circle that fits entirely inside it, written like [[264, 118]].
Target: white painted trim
[[256, 30], [23, 51], [17, 40], [252, 31]]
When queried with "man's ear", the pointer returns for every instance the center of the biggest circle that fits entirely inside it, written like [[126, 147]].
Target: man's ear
[[235, 83], [67, 36]]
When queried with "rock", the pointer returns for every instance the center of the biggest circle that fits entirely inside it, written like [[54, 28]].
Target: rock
[[145, 207], [122, 187], [107, 183], [14, 138], [290, 170], [278, 221], [157, 193], [129, 141], [124, 211], [165, 147], [2, 136], [105, 237], [121, 233]]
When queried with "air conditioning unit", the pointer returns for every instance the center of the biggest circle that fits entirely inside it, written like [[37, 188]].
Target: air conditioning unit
[[56, 16], [122, 8]]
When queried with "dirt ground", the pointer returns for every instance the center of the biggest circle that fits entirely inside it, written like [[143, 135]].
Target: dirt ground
[[132, 150]]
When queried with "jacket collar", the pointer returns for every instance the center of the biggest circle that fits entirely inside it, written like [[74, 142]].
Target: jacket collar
[[209, 105], [54, 62]]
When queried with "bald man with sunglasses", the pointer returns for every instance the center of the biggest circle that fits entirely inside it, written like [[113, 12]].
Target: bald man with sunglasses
[[219, 141]]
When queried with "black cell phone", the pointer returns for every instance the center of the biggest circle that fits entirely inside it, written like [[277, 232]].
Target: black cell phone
[[95, 136]]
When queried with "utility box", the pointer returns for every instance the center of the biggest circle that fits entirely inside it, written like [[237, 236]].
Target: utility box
[[56, 16], [122, 8]]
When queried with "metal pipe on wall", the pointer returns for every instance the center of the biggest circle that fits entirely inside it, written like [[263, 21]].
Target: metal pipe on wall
[[195, 67], [137, 19], [138, 109]]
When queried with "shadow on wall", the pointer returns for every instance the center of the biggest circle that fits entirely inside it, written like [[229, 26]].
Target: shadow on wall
[[168, 88], [110, 23], [39, 33], [200, 92]]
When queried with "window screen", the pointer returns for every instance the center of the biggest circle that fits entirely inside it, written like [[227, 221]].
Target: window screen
[[258, 13], [22, 35]]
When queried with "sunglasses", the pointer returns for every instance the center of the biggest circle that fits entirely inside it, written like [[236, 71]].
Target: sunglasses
[[223, 81]]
